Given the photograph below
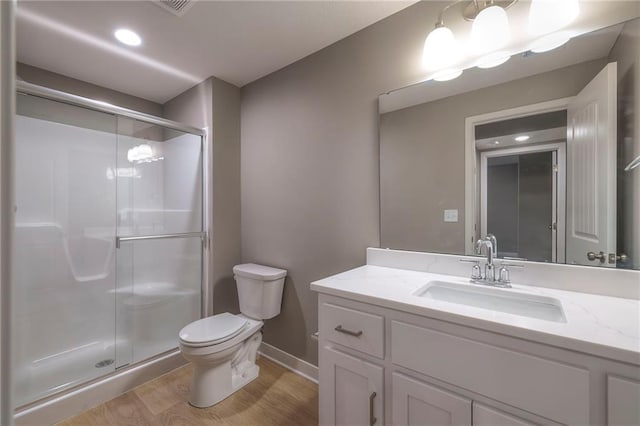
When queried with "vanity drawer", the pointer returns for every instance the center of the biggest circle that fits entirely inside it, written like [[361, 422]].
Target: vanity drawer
[[354, 329], [551, 389]]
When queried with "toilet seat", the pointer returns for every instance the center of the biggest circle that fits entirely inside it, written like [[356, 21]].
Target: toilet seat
[[213, 330]]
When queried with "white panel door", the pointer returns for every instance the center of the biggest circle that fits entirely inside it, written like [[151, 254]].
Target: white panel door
[[623, 401], [416, 404], [351, 390], [591, 163]]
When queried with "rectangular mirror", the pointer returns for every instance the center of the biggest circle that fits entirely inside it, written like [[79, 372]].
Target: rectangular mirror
[[541, 152]]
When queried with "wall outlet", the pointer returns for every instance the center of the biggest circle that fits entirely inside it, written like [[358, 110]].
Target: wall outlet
[[451, 215]]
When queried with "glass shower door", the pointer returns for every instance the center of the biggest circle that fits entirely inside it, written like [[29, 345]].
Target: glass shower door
[[160, 238], [63, 297]]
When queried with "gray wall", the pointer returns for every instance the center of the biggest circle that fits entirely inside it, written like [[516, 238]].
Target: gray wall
[[422, 156], [215, 104], [81, 88], [627, 54], [310, 199]]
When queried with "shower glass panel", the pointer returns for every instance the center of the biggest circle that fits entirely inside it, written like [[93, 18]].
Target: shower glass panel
[[63, 304], [160, 224], [108, 241]]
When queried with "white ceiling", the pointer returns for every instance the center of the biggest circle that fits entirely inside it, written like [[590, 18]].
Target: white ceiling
[[237, 41]]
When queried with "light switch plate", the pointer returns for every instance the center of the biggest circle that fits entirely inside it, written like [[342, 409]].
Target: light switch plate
[[451, 215]]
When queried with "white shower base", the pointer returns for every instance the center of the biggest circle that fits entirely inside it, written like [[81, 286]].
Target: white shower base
[[77, 399]]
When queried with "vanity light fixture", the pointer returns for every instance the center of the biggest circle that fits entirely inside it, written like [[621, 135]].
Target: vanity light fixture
[[547, 16], [441, 51], [522, 138], [490, 30], [127, 37]]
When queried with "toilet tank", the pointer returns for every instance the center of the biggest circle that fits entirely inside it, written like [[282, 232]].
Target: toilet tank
[[259, 290]]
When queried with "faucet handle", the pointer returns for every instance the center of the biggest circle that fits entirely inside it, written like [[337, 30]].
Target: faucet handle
[[476, 273], [503, 275]]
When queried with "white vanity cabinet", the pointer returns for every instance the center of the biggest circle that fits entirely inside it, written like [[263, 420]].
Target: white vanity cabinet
[[384, 366], [623, 401], [356, 390], [418, 403]]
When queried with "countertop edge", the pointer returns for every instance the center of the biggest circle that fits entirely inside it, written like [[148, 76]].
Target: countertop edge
[[561, 342]]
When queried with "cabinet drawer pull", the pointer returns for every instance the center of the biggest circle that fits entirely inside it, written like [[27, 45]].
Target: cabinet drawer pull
[[339, 329], [372, 419]]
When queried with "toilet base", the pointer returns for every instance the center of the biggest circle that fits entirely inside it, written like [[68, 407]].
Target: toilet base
[[230, 371]]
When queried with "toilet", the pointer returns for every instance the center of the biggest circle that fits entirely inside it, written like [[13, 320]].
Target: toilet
[[223, 347]]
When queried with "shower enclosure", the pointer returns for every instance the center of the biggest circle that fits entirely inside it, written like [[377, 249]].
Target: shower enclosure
[[109, 239]]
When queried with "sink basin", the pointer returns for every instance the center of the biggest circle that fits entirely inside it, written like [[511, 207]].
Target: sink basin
[[502, 300]]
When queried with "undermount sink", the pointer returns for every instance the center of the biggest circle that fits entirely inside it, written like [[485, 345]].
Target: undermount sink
[[503, 300]]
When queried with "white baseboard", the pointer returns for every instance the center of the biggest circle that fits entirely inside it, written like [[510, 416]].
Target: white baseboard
[[288, 361], [70, 403]]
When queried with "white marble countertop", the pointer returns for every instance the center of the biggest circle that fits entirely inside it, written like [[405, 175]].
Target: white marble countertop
[[604, 326]]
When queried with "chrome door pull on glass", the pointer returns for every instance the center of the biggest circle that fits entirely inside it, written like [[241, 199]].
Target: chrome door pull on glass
[[372, 419], [339, 329], [202, 235]]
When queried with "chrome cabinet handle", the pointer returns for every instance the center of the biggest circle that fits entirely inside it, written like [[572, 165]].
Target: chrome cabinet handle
[[339, 329], [372, 419]]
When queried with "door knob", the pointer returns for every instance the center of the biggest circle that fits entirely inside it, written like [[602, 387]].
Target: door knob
[[621, 258], [599, 256]]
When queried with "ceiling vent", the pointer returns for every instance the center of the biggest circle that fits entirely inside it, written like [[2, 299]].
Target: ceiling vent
[[177, 7]]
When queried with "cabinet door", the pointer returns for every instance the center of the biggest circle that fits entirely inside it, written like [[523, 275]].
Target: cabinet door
[[487, 416], [351, 390], [623, 401], [417, 403]]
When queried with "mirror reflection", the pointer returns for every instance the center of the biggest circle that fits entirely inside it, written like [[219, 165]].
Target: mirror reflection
[[540, 153]]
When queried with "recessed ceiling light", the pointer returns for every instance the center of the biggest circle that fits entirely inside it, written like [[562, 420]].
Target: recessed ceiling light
[[522, 138], [496, 142], [128, 37]]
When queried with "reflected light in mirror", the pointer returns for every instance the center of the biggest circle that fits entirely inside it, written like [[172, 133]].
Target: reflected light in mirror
[[550, 42], [546, 16], [440, 49], [493, 59], [490, 30], [448, 74]]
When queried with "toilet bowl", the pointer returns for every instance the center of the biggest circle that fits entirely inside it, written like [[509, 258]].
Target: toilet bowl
[[223, 347]]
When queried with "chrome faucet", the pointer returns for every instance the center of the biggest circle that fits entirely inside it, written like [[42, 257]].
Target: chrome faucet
[[489, 268], [490, 246]]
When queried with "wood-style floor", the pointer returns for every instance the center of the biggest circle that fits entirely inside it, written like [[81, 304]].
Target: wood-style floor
[[276, 397]]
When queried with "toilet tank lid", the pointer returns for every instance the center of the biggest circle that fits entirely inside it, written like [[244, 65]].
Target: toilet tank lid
[[259, 272]]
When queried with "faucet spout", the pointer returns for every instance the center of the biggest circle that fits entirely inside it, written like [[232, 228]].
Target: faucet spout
[[487, 244]]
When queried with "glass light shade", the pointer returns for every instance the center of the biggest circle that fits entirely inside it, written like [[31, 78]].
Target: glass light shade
[[448, 74], [550, 41], [440, 49], [546, 16], [493, 59], [490, 30]]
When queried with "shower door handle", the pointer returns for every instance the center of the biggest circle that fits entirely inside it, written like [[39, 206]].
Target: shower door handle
[[202, 235]]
